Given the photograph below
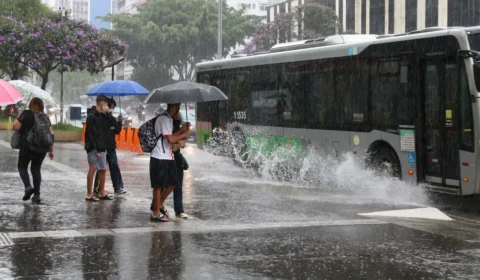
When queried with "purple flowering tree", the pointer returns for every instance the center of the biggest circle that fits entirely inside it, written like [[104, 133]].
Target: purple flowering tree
[[12, 40], [68, 45], [52, 44]]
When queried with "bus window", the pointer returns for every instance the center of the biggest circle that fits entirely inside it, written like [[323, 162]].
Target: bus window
[[323, 91], [352, 91], [392, 103], [476, 74], [265, 97], [466, 115]]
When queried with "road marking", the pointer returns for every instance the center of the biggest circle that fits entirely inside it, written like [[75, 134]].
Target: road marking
[[420, 213], [193, 226], [5, 240]]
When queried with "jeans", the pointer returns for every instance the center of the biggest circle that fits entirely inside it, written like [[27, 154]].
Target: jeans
[[115, 173], [25, 156], [178, 193]]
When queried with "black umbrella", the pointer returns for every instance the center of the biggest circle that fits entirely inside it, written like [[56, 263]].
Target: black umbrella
[[185, 92]]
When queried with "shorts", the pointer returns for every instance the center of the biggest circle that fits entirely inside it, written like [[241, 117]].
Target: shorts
[[163, 173], [100, 162]]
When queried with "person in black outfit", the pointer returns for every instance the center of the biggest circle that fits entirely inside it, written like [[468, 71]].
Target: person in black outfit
[[24, 124], [181, 164], [115, 127], [96, 138]]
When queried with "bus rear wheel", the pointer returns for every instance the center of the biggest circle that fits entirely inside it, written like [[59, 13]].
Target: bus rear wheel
[[384, 161]]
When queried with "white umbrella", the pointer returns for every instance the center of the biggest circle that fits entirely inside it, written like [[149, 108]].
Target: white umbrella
[[29, 91]]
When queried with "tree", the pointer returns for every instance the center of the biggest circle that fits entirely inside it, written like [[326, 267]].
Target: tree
[[317, 21], [24, 11], [178, 34], [312, 20], [266, 35], [67, 45], [55, 44]]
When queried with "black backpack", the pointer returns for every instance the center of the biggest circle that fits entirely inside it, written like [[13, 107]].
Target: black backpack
[[40, 138], [147, 136]]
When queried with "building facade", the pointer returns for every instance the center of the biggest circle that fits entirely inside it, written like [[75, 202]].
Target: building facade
[[392, 16], [253, 7], [80, 8]]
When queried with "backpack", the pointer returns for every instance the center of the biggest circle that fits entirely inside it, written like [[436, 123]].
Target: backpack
[[146, 135], [40, 137]]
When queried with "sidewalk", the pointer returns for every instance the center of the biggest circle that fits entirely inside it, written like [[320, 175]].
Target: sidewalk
[[63, 193]]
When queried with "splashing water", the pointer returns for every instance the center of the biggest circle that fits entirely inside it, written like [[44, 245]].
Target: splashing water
[[342, 174]]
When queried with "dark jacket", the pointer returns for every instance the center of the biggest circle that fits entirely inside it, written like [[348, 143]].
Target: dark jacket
[[97, 132], [114, 128]]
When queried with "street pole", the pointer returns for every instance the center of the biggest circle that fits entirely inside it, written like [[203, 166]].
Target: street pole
[[219, 49], [61, 94], [64, 13]]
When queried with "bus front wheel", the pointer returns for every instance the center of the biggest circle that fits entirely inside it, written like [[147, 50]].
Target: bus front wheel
[[384, 161]]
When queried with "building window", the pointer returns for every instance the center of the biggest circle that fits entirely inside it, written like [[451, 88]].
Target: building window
[[364, 17], [410, 15], [263, 7], [350, 24], [463, 13], [431, 13], [391, 17], [377, 16]]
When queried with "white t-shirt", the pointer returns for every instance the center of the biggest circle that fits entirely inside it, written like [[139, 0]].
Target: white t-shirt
[[164, 126]]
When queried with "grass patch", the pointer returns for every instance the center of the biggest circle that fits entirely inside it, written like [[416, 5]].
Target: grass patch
[[66, 127]]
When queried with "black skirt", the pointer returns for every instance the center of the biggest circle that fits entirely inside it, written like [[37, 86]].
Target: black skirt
[[163, 173]]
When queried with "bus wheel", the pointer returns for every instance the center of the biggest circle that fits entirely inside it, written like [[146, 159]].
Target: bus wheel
[[384, 161], [238, 146]]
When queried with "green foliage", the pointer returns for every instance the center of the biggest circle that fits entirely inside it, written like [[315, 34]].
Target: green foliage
[[66, 127], [167, 34], [317, 21], [24, 10]]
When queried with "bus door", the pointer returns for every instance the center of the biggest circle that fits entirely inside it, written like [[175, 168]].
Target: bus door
[[439, 144]]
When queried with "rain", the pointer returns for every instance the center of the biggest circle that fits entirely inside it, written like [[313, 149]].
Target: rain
[[239, 139]]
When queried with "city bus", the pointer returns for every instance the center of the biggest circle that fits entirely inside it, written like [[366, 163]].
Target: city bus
[[406, 104]]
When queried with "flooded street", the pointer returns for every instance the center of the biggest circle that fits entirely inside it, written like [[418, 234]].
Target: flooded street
[[241, 226]]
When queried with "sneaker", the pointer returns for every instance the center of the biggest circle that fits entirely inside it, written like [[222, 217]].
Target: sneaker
[[36, 199], [120, 191], [182, 215], [28, 193]]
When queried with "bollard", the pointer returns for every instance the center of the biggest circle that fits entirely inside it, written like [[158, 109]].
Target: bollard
[[121, 139], [128, 139], [83, 131], [136, 142]]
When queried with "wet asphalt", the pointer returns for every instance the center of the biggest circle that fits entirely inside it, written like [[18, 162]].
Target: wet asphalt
[[242, 226]]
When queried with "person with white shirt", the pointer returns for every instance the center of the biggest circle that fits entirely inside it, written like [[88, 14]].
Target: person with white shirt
[[163, 171]]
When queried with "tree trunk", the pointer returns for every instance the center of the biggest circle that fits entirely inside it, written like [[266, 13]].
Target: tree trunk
[[44, 81]]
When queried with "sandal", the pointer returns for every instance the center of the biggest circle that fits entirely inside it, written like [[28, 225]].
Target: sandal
[[160, 218], [164, 211], [92, 198], [106, 197]]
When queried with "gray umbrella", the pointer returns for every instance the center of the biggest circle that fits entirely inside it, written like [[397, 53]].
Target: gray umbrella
[[185, 92]]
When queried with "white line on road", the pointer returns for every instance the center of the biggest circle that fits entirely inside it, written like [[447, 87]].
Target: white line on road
[[194, 226]]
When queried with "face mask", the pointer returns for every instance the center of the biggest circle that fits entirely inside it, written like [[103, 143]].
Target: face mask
[[105, 109]]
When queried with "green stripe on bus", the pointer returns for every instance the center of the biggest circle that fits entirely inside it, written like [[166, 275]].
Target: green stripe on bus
[[203, 135], [266, 145]]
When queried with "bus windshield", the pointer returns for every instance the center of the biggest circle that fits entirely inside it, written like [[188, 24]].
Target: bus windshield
[[475, 46]]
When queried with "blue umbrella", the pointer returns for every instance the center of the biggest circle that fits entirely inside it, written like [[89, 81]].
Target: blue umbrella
[[118, 88]]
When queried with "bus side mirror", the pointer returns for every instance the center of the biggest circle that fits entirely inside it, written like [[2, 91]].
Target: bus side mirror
[[470, 54]]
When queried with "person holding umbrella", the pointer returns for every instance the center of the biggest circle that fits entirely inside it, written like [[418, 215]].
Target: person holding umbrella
[[163, 170]]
